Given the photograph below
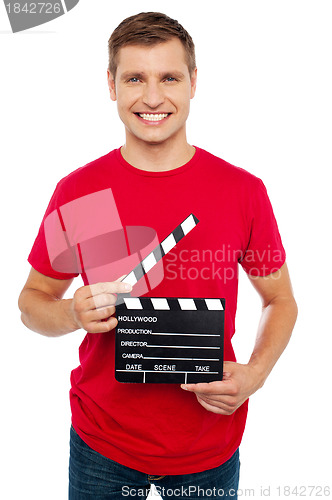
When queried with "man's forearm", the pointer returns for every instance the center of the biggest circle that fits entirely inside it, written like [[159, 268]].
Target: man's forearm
[[274, 331], [45, 314]]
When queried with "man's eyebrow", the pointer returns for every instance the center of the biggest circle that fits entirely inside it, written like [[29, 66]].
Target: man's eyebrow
[[141, 75], [174, 74], [131, 74]]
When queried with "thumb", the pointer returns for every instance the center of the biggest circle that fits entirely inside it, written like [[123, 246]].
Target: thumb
[[227, 372]]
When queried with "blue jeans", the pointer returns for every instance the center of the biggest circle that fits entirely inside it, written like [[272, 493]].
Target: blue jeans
[[95, 477]]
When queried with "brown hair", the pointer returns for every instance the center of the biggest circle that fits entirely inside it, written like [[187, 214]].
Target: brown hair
[[149, 28]]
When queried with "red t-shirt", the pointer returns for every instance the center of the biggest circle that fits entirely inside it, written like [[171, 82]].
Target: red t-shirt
[[157, 428]]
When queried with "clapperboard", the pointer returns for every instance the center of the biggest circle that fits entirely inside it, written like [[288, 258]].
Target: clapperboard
[[168, 339]]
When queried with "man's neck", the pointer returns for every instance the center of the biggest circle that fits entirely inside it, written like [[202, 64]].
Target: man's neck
[[157, 157]]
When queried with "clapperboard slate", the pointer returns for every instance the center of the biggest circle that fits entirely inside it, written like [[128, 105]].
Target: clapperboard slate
[[169, 340]]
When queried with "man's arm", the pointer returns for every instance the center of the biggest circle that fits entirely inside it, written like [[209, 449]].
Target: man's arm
[[275, 328], [45, 311]]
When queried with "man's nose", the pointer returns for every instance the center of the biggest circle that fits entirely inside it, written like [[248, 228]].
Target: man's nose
[[153, 95]]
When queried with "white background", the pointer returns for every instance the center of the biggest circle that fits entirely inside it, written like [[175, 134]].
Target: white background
[[263, 103]]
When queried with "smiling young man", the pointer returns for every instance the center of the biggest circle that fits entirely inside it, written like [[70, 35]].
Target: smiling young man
[[153, 86], [185, 439]]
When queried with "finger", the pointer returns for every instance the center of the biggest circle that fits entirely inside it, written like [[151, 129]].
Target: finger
[[100, 314], [227, 402], [201, 387], [109, 287], [217, 387], [214, 409], [102, 326], [100, 301]]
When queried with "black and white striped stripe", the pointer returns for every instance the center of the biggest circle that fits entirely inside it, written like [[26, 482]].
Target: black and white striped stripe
[[172, 304], [161, 250]]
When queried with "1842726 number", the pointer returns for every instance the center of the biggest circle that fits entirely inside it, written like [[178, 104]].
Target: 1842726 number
[[34, 8], [304, 491]]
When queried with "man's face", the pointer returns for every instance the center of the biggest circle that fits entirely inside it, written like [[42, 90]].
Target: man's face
[[153, 89]]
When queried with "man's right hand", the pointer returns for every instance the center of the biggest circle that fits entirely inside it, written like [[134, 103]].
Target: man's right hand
[[44, 310], [93, 306]]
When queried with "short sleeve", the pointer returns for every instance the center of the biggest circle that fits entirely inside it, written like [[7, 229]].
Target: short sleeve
[[264, 253], [41, 255]]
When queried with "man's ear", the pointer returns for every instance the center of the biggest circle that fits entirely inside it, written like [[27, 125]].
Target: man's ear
[[111, 85], [193, 81]]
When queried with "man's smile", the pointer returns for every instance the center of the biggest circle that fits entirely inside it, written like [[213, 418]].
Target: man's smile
[[152, 117]]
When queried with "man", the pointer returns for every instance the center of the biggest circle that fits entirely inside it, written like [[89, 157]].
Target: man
[[124, 437]]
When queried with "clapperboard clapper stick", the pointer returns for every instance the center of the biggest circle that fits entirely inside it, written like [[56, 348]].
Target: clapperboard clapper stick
[[168, 340], [161, 250]]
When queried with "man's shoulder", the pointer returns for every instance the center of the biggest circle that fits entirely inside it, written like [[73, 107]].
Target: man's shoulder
[[92, 177], [228, 171], [90, 170]]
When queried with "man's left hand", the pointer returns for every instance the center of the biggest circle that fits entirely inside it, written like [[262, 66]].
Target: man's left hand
[[225, 396]]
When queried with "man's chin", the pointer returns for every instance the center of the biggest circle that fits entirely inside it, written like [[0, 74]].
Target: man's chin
[[153, 141]]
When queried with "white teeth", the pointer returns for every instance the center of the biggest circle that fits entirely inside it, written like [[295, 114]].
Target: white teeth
[[153, 118]]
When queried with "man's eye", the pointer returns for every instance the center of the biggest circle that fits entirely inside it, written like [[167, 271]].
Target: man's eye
[[133, 79], [170, 79]]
